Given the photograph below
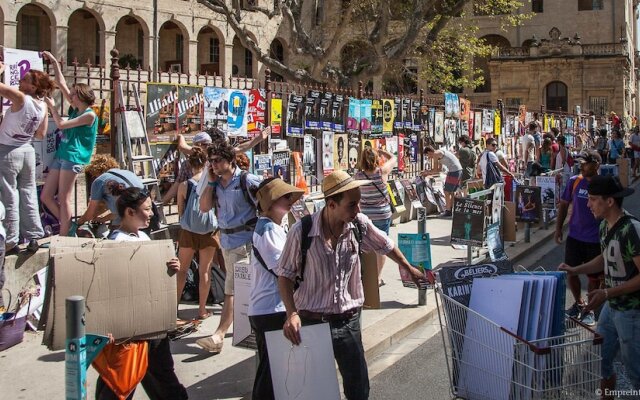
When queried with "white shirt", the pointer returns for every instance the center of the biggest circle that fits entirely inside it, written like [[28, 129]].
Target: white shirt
[[269, 239], [483, 162], [450, 161], [528, 147], [3, 233], [118, 235], [18, 127]]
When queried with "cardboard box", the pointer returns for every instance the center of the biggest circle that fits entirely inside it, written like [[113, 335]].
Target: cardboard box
[[127, 288]]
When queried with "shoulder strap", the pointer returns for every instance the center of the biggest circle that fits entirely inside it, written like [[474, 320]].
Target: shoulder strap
[[245, 190], [575, 185], [190, 186], [375, 184], [261, 261], [305, 244], [128, 182], [357, 232]]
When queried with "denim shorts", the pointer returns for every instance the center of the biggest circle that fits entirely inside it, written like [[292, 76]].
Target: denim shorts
[[383, 225], [621, 332], [66, 165]]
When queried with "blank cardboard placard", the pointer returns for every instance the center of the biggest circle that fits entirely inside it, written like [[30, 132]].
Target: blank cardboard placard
[[306, 371], [243, 272]]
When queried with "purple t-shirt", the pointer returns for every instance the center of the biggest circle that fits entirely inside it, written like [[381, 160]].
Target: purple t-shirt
[[583, 226]]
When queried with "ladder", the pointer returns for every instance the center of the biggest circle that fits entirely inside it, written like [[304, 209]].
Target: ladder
[[134, 151]]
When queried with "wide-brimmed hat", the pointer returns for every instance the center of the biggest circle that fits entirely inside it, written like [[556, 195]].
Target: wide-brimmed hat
[[202, 137], [588, 156], [338, 182], [608, 186], [272, 191]]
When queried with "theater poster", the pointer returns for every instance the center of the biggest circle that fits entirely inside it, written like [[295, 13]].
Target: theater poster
[[365, 115], [388, 115], [327, 152], [281, 160], [190, 102], [216, 108], [337, 113], [256, 118], [397, 113], [340, 156], [295, 115], [354, 153], [276, 118], [353, 116], [161, 111], [309, 155], [439, 127], [312, 110], [376, 117], [17, 63], [237, 117], [528, 203], [326, 105]]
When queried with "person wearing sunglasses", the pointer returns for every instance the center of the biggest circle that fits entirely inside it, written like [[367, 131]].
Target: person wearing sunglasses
[[489, 166]]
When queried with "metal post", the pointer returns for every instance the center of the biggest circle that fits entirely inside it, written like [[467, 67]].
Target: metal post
[[527, 232], [75, 351], [422, 229], [469, 254]]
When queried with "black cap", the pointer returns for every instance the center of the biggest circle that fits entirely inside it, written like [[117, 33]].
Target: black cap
[[588, 156], [608, 186]]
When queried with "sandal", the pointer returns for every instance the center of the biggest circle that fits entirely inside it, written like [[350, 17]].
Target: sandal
[[381, 283], [210, 344], [204, 316]]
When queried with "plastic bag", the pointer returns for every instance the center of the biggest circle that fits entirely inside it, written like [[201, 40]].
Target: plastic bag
[[122, 366]]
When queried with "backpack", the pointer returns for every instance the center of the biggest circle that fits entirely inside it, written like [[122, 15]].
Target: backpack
[[305, 244], [192, 219], [243, 187], [492, 174]]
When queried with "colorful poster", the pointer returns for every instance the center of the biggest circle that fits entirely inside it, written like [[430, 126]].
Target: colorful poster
[[354, 153], [295, 115], [388, 115], [312, 110], [465, 109], [497, 123], [439, 127], [280, 161], [528, 203], [327, 153], [467, 226], [45, 150], [237, 116], [376, 117], [326, 106], [190, 102], [309, 155], [549, 189], [416, 248], [337, 113], [402, 156], [431, 122], [365, 115], [276, 118], [216, 107], [340, 157], [299, 178], [522, 114], [161, 111], [256, 118], [262, 165], [17, 63], [451, 105], [397, 113], [495, 244], [470, 126], [353, 118], [391, 145], [101, 108]]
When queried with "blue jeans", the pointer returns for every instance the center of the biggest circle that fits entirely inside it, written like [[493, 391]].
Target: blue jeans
[[346, 337], [621, 332], [18, 193], [383, 225]]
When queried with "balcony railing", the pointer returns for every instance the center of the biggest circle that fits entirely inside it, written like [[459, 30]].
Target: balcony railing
[[571, 50]]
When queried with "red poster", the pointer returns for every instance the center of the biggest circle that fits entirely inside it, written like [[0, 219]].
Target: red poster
[[256, 112], [401, 155], [471, 122]]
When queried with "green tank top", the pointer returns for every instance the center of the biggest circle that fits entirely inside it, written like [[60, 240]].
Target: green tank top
[[77, 143]]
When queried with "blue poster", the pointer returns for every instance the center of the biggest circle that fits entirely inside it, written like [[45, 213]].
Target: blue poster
[[365, 115], [353, 118], [416, 248], [237, 116]]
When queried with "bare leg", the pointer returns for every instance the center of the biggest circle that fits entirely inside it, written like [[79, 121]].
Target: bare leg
[[65, 190], [226, 318], [49, 192], [204, 270], [380, 258]]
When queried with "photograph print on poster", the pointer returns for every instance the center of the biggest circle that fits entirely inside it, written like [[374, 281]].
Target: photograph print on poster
[[295, 115], [439, 127], [216, 107], [327, 152], [340, 160], [528, 203], [467, 226]]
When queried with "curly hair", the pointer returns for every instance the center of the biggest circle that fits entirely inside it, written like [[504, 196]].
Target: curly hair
[[198, 158], [242, 161], [222, 149], [44, 85], [100, 164]]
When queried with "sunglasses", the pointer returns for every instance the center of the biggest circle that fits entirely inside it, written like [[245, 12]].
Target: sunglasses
[[215, 160]]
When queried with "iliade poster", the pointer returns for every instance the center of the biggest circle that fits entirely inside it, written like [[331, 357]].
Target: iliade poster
[[256, 119], [365, 115], [397, 113], [388, 115], [340, 156], [312, 109], [295, 115], [161, 111], [354, 153], [467, 226], [528, 203], [281, 165], [216, 108], [353, 116], [326, 106], [337, 113], [190, 101], [376, 117]]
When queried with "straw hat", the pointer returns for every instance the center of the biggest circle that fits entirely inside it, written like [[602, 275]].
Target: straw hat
[[272, 191], [338, 182]]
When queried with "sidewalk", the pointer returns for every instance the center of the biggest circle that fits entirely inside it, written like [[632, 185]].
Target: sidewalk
[[229, 375]]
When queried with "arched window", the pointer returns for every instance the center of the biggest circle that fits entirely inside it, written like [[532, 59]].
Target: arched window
[[482, 63], [556, 97]]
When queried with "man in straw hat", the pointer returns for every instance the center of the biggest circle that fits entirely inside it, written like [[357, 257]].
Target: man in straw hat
[[620, 260], [331, 288]]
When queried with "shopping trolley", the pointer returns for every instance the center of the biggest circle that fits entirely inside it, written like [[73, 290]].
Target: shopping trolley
[[487, 361]]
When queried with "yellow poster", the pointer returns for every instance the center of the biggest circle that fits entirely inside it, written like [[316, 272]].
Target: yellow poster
[[388, 116], [547, 123], [276, 116], [497, 123]]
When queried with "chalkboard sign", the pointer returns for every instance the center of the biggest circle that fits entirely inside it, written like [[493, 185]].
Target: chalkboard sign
[[528, 203], [468, 222]]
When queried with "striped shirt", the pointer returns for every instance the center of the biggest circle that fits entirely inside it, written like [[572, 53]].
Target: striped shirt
[[372, 203], [332, 278]]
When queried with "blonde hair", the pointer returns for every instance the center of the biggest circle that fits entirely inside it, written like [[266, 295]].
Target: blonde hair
[[368, 159]]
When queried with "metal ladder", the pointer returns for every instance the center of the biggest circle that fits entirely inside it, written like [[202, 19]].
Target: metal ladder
[[133, 139]]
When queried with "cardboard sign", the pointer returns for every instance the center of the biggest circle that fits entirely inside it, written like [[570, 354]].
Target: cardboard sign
[[242, 336], [457, 280], [468, 222]]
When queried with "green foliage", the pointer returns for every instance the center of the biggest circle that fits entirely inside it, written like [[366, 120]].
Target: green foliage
[[128, 60]]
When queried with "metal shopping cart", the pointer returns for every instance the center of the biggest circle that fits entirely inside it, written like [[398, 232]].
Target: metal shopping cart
[[486, 361]]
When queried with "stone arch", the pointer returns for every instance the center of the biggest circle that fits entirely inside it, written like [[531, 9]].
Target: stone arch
[[84, 37], [277, 51], [556, 96], [244, 63], [528, 43], [132, 41], [33, 30], [173, 47], [211, 50], [482, 63]]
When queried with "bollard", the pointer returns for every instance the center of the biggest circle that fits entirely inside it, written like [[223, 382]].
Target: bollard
[[527, 232], [75, 350], [422, 229]]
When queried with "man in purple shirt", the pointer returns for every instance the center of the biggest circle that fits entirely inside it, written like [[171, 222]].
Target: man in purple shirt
[[583, 240]]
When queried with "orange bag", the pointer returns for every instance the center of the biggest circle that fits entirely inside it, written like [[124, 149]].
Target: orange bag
[[122, 366]]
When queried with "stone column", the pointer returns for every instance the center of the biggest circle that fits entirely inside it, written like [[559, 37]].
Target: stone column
[[227, 66], [191, 59], [59, 37], [109, 40], [11, 34]]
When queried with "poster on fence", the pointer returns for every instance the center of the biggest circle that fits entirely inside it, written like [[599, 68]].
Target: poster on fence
[[354, 153], [190, 99], [376, 117], [340, 161], [280, 161], [451, 106], [312, 110], [528, 203], [353, 115], [309, 154], [487, 121], [327, 153], [337, 113], [295, 115], [365, 116], [477, 126], [161, 112], [467, 226], [17, 63], [495, 243], [397, 113], [45, 150], [326, 106], [465, 109], [439, 127], [256, 118], [407, 121], [237, 116], [549, 189], [262, 165], [216, 108], [387, 115]]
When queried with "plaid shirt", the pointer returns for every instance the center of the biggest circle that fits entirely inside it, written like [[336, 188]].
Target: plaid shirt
[[332, 278]]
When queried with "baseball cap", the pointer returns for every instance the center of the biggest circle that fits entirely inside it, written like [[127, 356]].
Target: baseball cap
[[588, 156], [609, 186], [202, 137]]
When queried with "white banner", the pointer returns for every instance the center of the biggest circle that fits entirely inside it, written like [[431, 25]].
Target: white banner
[[17, 63]]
